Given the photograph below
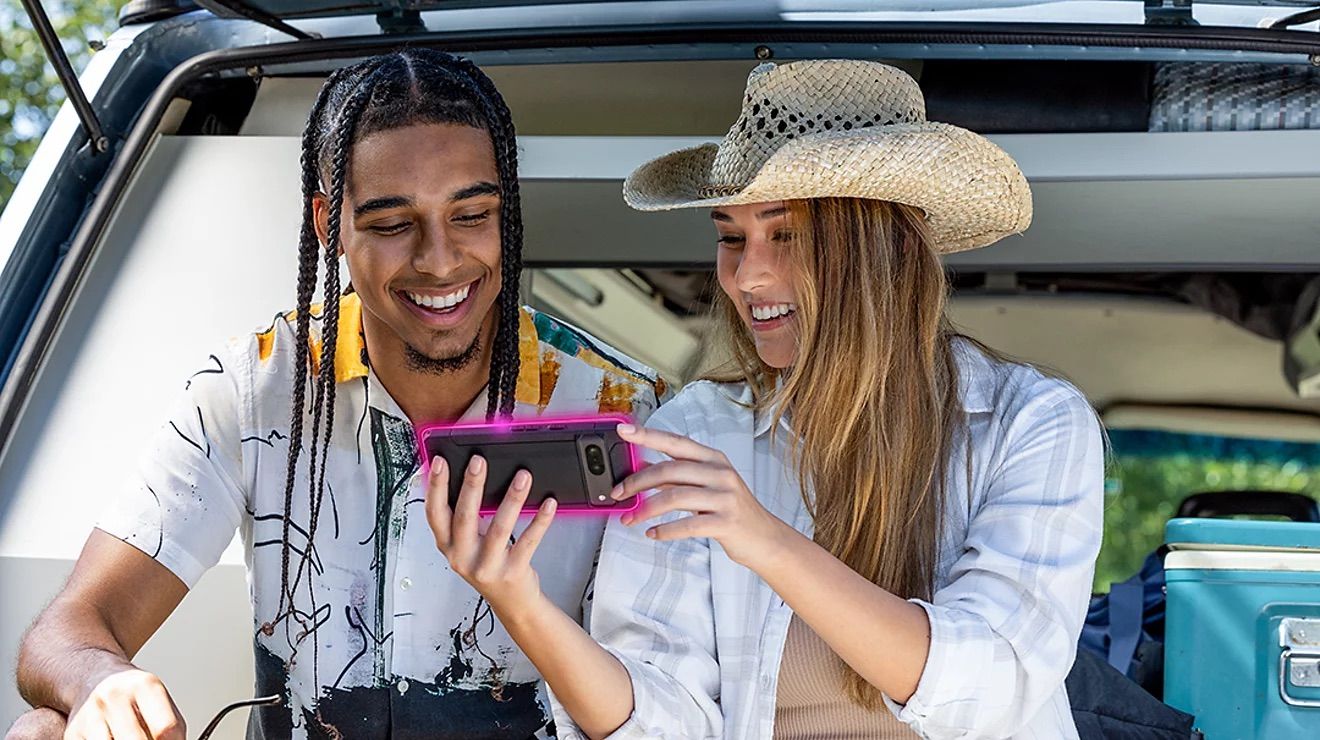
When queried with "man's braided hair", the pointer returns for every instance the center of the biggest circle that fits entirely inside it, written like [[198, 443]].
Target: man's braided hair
[[405, 88]]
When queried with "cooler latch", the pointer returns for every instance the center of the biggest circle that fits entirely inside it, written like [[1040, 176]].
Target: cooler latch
[[1299, 663]]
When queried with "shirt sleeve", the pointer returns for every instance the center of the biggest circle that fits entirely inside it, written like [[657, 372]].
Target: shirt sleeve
[[184, 502], [654, 612], [1003, 632]]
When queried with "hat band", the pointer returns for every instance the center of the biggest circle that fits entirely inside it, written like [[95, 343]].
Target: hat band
[[718, 191]]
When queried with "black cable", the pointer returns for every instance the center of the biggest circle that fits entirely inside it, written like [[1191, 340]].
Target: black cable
[[265, 701], [1296, 19]]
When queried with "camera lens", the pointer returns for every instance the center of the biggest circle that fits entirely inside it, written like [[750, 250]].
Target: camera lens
[[595, 460]]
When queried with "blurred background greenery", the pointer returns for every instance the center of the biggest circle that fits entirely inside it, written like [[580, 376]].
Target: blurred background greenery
[[30, 93], [1151, 472]]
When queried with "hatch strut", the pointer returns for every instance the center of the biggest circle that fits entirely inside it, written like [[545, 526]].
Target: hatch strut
[[260, 16], [69, 79]]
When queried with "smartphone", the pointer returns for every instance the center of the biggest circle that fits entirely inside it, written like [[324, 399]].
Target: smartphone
[[576, 461]]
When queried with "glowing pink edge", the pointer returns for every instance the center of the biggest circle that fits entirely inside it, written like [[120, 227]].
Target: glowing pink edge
[[510, 426]]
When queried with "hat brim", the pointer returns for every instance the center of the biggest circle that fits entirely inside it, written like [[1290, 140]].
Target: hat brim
[[972, 192]]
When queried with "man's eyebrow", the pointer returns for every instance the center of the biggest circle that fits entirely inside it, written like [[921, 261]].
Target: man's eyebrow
[[472, 191], [381, 204]]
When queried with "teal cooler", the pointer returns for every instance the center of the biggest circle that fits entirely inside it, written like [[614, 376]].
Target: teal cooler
[[1242, 630]]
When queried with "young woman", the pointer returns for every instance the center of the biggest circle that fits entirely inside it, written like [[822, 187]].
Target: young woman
[[867, 526]]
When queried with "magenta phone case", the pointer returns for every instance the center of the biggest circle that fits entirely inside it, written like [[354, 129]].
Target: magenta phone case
[[573, 460]]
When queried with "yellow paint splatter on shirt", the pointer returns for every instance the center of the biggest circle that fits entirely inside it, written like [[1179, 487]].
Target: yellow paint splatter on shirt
[[549, 377], [616, 394]]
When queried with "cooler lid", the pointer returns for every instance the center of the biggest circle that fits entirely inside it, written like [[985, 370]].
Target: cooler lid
[[1235, 534]]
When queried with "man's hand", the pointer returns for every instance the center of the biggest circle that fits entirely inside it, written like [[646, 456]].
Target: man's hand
[[500, 571], [127, 705]]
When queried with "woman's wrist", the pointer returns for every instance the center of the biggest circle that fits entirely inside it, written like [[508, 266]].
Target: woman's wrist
[[779, 544]]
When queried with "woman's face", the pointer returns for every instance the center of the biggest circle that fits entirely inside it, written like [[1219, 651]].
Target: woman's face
[[756, 270]]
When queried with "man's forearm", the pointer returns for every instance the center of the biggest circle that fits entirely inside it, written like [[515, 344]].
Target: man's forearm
[[65, 654]]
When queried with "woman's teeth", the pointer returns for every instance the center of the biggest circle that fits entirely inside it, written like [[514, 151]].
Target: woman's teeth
[[439, 303], [766, 313]]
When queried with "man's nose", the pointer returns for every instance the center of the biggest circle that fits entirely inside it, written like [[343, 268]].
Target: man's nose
[[435, 253]]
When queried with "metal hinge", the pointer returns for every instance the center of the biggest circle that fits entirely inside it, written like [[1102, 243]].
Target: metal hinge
[[1169, 13], [1299, 662]]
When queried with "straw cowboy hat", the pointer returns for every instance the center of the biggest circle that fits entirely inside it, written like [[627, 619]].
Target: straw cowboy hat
[[845, 128]]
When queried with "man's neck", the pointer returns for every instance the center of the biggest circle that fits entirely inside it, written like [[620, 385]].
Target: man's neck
[[426, 397]]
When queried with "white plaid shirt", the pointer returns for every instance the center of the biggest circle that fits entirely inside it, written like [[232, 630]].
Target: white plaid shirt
[[702, 637]]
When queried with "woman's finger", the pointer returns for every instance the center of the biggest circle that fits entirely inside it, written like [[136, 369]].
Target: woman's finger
[[523, 550], [698, 525], [438, 514], [675, 445], [679, 498], [467, 510], [665, 474], [496, 540], [159, 713]]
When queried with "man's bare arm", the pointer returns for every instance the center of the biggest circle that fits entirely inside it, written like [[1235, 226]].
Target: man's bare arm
[[77, 656]]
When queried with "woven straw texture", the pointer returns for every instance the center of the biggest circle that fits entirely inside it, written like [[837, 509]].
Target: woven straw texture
[[843, 128]]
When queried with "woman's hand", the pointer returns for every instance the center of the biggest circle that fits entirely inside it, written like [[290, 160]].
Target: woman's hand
[[701, 480], [499, 569]]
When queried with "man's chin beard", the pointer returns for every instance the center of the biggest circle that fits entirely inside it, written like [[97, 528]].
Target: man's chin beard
[[422, 363]]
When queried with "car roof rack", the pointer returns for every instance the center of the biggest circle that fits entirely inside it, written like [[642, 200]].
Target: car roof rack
[[68, 78]]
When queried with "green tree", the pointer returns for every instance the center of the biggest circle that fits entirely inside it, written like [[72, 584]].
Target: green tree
[[30, 93]]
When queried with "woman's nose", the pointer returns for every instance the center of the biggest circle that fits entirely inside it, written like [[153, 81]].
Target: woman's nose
[[757, 266]]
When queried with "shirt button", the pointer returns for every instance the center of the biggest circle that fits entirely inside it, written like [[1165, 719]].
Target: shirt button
[[402, 686], [405, 583]]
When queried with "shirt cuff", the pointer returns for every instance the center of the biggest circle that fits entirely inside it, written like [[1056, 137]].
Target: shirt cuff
[[567, 729]]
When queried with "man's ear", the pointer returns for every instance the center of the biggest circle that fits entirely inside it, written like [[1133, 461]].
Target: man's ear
[[321, 219]]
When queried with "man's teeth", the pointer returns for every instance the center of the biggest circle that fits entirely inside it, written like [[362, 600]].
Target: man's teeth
[[765, 313], [443, 301]]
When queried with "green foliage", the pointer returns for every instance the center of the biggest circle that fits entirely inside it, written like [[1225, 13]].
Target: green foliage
[[1147, 491], [30, 93]]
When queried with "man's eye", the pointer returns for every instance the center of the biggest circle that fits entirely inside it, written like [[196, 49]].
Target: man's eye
[[389, 229], [473, 218]]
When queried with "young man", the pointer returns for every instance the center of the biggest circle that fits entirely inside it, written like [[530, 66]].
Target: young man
[[301, 437]]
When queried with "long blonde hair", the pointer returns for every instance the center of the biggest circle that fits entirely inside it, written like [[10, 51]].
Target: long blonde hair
[[872, 397]]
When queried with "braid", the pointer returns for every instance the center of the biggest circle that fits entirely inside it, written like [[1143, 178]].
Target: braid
[[505, 357], [308, 243]]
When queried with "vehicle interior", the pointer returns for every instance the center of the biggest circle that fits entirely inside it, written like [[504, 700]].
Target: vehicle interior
[[1169, 273]]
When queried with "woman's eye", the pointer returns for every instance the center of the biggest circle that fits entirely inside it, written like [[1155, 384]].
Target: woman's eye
[[729, 241], [472, 218], [782, 236]]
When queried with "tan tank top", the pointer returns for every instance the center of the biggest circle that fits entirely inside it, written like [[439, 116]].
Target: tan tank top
[[812, 703]]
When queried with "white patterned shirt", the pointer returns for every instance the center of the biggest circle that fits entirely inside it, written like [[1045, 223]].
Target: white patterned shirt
[[382, 640], [702, 636]]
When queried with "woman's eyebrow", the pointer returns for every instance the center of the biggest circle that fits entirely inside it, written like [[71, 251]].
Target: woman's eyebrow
[[771, 213]]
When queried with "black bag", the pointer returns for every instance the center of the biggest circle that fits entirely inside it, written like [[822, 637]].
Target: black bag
[[1106, 705]]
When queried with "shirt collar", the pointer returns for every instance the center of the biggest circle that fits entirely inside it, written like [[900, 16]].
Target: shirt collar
[[351, 351], [976, 382]]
